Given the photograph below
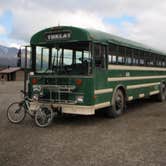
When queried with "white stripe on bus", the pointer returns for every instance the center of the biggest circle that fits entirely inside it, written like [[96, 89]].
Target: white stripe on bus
[[154, 92], [123, 67], [102, 105], [141, 95], [130, 98], [101, 91], [142, 85], [134, 78]]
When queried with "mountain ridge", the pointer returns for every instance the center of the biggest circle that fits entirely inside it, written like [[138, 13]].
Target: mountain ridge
[[8, 56]]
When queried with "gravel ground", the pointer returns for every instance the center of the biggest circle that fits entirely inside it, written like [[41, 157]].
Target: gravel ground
[[136, 138]]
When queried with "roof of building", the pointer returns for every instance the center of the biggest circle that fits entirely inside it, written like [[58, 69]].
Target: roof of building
[[10, 70], [80, 34]]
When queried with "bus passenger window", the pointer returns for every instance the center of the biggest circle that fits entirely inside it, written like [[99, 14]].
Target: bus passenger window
[[109, 59], [114, 59], [128, 60], [120, 59], [141, 62]]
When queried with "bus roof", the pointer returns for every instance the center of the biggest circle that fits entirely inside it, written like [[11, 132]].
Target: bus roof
[[72, 34]]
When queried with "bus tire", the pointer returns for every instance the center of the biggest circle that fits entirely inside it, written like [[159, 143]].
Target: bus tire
[[162, 95], [118, 104]]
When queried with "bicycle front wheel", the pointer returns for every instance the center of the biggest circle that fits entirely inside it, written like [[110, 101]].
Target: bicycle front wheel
[[16, 112], [44, 117]]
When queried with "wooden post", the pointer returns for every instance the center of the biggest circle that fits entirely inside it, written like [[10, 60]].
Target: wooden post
[[25, 71]]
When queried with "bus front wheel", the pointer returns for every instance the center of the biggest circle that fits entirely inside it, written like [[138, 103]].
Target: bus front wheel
[[118, 104]]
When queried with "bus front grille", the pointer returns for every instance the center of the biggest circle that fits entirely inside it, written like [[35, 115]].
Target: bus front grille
[[58, 94]]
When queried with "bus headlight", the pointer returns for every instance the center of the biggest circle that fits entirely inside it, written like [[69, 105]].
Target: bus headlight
[[36, 97], [80, 99], [36, 92], [31, 73]]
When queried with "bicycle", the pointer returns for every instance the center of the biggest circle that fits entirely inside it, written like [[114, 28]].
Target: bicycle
[[16, 112]]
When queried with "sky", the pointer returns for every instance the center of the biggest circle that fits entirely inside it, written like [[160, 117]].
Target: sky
[[143, 21]]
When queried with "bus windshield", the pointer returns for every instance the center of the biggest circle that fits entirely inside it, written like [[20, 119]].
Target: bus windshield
[[64, 59]]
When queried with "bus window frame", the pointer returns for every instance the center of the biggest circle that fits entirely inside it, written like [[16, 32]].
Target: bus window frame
[[137, 57]]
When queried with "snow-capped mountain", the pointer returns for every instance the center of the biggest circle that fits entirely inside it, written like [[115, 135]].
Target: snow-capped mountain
[[8, 56]]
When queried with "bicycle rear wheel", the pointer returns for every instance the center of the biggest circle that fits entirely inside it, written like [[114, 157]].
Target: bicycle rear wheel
[[16, 112]]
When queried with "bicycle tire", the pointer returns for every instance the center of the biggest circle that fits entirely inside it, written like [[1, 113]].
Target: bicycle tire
[[10, 111], [48, 113]]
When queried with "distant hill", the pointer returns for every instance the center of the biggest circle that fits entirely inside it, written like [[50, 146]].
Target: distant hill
[[8, 56]]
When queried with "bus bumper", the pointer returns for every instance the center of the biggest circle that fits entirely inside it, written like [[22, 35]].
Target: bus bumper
[[75, 109], [70, 109]]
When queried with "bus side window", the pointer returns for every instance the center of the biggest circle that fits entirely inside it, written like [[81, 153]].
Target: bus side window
[[164, 62], [112, 53], [128, 60], [120, 60], [128, 56], [121, 54], [111, 59]]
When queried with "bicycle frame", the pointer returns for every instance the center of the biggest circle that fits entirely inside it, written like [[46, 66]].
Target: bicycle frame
[[26, 104]]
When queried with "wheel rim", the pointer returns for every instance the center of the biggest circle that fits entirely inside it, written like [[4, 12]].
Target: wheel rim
[[163, 92], [43, 117], [119, 103], [16, 113]]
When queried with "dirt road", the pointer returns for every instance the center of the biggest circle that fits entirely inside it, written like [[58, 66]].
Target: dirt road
[[136, 138]]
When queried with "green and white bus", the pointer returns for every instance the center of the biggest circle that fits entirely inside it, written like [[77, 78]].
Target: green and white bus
[[78, 71]]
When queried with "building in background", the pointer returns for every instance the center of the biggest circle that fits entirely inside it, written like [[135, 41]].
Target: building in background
[[12, 74]]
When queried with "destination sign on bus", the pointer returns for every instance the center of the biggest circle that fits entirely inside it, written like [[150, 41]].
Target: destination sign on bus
[[58, 36]]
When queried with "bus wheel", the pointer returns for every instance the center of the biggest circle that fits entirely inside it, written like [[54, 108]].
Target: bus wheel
[[162, 95], [118, 104]]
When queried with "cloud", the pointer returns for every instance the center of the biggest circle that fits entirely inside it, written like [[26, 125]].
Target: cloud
[[24, 28], [2, 30], [148, 26]]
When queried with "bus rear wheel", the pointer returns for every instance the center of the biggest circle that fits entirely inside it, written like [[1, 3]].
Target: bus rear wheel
[[118, 104], [162, 95]]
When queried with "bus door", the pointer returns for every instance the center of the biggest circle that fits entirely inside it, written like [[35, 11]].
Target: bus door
[[100, 65]]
